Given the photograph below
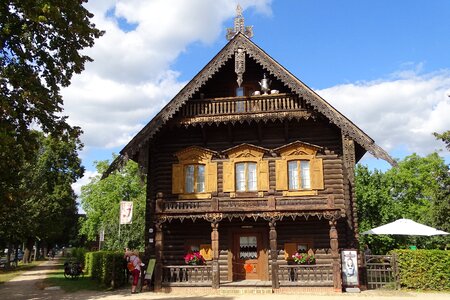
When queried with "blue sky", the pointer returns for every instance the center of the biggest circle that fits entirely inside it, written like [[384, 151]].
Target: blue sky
[[383, 64]]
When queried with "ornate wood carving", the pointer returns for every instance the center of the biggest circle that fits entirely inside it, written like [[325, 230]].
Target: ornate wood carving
[[239, 65], [158, 255], [215, 250], [275, 69], [273, 253], [335, 255]]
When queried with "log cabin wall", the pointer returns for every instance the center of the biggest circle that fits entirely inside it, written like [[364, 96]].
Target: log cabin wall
[[219, 138]]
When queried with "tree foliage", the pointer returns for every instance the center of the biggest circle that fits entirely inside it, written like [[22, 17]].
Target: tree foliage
[[101, 199], [445, 137], [44, 204], [417, 189], [41, 43]]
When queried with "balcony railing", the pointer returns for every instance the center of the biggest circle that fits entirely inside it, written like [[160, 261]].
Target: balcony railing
[[271, 203], [306, 275], [187, 275], [241, 105]]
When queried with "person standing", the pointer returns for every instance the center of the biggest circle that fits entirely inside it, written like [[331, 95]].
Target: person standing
[[134, 266]]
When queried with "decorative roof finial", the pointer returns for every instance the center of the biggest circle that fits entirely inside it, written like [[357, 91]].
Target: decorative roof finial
[[239, 26]]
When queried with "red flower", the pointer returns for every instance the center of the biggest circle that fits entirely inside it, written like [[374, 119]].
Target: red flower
[[194, 258]]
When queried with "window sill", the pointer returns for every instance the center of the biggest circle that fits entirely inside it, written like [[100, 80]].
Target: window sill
[[246, 194], [300, 193], [194, 196]]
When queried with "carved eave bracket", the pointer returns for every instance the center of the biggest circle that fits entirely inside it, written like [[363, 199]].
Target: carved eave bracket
[[331, 215], [239, 65]]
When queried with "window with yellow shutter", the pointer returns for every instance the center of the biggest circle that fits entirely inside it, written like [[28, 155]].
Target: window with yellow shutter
[[299, 171], [195, 174], [246, 170]]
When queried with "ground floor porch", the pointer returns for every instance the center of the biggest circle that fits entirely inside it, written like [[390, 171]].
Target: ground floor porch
[[250, 250]]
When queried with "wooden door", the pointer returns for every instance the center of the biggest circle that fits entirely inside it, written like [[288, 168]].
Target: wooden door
[[247, 256]]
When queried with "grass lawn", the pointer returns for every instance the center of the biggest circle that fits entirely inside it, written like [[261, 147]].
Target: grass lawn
[[7, 275], [72, 285]]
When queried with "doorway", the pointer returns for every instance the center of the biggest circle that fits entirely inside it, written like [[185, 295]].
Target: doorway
[[247, 256]]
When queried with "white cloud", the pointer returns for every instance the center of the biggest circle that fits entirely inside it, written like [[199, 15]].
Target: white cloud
[[88, 175], [399, 112], [130, 79]]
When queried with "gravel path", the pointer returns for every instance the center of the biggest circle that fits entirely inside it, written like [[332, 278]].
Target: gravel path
[[30, 285]]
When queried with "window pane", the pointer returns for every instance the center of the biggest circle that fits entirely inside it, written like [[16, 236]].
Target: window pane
[[240, 177], [306, 179], [200, 179], [293, 175], [189, 179], [251, 177]]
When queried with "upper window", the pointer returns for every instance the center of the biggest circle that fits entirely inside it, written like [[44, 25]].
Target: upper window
[[246, 178], [246, 170], [299, 175], [195, 175], [194, 178], [299, 171]]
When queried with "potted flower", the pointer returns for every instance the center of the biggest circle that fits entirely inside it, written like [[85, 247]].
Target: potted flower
[[304, 258], [194, 258]]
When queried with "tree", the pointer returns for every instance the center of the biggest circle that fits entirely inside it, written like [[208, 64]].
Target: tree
[[41, 43], [44, 204], [417, 189], [445, 137], [100, 200]]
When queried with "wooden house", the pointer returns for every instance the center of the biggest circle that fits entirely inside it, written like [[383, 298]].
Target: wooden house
[[248, 166]]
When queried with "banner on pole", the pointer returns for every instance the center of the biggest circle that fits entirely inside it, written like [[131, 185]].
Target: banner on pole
[[102, 235], [126, 212]]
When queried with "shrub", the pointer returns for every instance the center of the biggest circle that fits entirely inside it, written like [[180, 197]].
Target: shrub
[[78, 254], [424, 269], [106, 267]]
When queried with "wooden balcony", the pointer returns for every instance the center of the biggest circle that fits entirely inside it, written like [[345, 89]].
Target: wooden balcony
[[228, 205], [201, 110], [187, 275], [306, 275]]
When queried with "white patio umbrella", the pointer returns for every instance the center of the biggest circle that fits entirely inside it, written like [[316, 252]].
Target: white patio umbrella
[[405, 227]]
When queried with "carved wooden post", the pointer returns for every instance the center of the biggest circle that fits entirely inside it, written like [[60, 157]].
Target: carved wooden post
[[273, 254], [335, 256], [158, 256], [215, 252]]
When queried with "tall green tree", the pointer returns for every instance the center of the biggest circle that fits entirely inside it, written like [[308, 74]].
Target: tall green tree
[[101, 199], [417, 189], [41, 43], [445, 137], [44, 204]]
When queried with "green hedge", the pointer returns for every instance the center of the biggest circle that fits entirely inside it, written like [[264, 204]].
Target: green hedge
[[106, 267], [424, 269]]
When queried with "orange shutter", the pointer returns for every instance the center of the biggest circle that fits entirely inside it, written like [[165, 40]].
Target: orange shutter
[[289, 250], [263, 176], [211, 178], [206, 251], [281, 175], [177, 179], [228, 176], [316, 174]]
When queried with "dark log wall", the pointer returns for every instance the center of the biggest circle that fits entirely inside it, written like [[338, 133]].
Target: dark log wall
[[270, 135], [315, 232]]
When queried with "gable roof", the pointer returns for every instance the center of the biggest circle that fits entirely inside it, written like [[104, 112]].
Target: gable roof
[[240, 41]]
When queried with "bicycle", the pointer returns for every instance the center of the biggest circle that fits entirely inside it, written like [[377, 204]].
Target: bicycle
[[73, 270]]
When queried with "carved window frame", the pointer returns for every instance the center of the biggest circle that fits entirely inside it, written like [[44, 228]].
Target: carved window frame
[[194, 156], [245, 153], [299, 151]]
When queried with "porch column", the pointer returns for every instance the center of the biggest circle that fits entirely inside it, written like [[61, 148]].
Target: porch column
[[215, 252], [158, 256], [337, 284], [273, 254]]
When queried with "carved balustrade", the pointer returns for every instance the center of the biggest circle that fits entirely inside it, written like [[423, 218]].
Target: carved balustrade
[[189, 275], [217, 204], [305, 275], [241, 105]]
